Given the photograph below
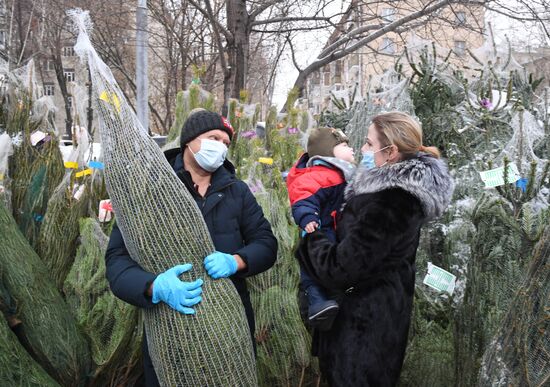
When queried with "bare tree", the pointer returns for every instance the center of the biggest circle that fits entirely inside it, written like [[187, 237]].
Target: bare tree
[[234, 22], [352, 34]]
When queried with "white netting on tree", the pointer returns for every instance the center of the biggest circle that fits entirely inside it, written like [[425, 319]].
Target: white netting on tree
[[36, 166], [498, 56], [6, 150], [519, 149], [282, 339], [387, 92], [111, 324], [67, 204], [163, 227], [195, 97], [520, 352]]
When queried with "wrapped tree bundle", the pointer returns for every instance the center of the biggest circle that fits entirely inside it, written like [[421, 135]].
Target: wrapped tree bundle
[[519, 355], [47, 327], [68, 203], [6, 150], [187, 100], [111, 325], [283, 343], [163, 227], [36, 168], [17, 367]]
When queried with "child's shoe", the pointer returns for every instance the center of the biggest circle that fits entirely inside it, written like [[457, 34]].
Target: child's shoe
[[321, 315], [321, 311]]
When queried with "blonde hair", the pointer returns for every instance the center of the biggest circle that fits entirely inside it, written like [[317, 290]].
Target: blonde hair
[[403, 131]]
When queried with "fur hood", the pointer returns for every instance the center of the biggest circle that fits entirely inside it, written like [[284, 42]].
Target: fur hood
[[347, 168], [425, 177]]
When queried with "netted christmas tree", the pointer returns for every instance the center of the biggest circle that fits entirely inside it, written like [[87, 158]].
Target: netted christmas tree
[[186, 100], [387, 92], [36, 167], [47, 328], [112, 326], [161, 224]]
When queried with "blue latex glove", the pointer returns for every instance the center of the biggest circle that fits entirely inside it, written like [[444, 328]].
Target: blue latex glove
[[180, 295], [220, 265]]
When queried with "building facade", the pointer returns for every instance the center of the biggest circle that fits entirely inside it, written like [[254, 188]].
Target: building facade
[[458, 29]]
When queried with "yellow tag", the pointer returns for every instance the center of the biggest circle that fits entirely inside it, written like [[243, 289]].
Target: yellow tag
[[1, 176], [71, 165], [84, 173], [111, 98], [266, 160]]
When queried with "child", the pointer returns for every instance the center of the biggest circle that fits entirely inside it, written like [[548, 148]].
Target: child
[[316, 186]]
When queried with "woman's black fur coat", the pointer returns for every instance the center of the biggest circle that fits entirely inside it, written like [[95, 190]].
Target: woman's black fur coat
[[372, 266]]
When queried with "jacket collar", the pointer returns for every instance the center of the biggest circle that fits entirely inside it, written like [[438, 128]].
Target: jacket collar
[[423, 176], [348, 169]]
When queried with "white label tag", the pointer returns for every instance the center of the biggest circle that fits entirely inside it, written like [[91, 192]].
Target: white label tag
[[78, 190], [105, 211], [439, 279], [495, 177], [37, 136]]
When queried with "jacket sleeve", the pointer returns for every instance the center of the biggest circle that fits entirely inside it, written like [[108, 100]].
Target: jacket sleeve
[[309, 209], [260, 250], [127, 280], [367, 228]]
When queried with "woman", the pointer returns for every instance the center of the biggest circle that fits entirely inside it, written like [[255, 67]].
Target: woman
[[399, 186]]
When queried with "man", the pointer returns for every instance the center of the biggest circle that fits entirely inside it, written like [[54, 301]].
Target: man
[[243, 239]]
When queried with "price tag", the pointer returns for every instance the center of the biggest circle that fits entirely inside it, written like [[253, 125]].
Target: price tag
[[84, 173], [111, 98], [96, 165], [37, 136], [495, 177], [439, 279], [105, 210], [71, 165]]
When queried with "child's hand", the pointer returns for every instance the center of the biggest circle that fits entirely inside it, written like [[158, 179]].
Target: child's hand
[[311, 226]]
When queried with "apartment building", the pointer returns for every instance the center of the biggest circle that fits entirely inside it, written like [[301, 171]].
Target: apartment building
[[458, 29]]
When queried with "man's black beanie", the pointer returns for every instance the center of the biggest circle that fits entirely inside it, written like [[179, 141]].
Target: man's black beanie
[[201, 122]]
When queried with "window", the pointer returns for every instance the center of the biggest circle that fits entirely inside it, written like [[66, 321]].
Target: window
[[69, 75], [460, 18], [337, 71], [460, 47], [68, 51], [50, 65], [338, 67], [316, 78], [2, 38], [353, 60], [387, 46], [49, 89], [326, 78], [388, 14]]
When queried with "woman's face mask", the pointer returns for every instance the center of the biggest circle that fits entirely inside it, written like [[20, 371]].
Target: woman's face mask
[[211, 155], [368, 158]]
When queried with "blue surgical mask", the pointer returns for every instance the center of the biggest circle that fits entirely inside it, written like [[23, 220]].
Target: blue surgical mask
[[368, 158], [211, 155]]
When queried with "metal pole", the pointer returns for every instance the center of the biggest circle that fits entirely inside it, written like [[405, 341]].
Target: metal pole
[[141, 65]]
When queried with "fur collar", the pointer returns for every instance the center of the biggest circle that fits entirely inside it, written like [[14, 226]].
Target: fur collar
[[423, 176]]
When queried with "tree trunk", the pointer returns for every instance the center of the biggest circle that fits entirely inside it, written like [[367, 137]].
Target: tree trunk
[[238, 49]]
